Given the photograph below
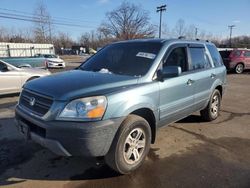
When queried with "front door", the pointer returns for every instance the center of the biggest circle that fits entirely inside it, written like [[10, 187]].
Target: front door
[[176, 94], [10, 80]]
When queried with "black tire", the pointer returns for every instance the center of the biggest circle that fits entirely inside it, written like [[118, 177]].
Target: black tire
[[209, 114], [116, 157], [239, 68]]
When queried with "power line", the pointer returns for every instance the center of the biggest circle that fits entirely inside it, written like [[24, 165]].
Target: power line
[[54, 18], [38, 21], [161, 9]]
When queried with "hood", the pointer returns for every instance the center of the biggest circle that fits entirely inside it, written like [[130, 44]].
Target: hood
[[34, 71], [56, 60], [77, 83]]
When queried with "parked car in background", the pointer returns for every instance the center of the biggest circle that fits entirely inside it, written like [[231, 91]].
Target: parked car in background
[[34, 62], [114, 102], [52, 61], [12, 78], [237, 60]]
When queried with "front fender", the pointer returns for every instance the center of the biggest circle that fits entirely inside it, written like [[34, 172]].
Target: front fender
[[122, 104]]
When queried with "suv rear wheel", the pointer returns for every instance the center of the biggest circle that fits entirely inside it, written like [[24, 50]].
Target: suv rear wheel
[[130, 145], [211, 112], [239, 68]]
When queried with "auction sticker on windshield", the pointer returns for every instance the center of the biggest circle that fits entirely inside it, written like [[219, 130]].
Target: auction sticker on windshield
[[146, 55]]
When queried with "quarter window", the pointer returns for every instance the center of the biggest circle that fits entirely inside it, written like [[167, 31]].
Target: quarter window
[[216, 56], [199, 58]]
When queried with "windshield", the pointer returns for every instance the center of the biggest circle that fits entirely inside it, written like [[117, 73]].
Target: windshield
[[50, 56], [133, 59]]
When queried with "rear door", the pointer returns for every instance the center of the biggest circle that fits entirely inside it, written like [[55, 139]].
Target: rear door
[[10, 80], [247, 59], [176, 94], [203, 74]]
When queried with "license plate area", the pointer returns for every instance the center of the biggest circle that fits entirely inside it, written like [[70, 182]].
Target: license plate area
[[25, 130]]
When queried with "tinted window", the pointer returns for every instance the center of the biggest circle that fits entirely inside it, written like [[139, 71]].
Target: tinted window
[[247, 54], [50, 56], [216, 56], [178, 57], [199, 58], [224, 54], [236, 53], [133, 59], [2, 65]]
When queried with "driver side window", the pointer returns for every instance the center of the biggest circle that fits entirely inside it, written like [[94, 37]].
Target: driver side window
[[177, 57]]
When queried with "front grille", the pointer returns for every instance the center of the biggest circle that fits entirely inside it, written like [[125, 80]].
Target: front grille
[[40, 105]]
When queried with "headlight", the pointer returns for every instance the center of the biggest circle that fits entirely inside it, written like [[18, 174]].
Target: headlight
[[90, 108]]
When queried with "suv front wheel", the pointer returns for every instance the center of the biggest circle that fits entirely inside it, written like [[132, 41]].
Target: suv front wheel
[[211, 112], [130, 145]]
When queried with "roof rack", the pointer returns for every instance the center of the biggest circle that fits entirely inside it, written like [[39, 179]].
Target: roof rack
[[181, 37]]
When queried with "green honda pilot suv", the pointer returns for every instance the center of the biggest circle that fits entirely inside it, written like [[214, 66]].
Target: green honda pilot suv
[[113, 104]]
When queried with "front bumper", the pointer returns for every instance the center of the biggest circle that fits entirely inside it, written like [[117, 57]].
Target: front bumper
[[69, 138]]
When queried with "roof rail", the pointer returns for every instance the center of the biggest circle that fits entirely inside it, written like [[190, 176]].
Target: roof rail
[[181, 37]]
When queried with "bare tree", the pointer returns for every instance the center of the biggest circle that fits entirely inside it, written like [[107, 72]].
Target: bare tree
[[190, 32], [165, 31], [180, 28], [128, 21], [85, 39], [42, 28]]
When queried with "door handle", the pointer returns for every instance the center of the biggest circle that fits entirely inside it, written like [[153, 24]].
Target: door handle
[[213, 76], [190, 82]]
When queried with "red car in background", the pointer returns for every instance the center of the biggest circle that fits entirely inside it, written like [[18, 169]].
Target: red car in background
[[236, 59]]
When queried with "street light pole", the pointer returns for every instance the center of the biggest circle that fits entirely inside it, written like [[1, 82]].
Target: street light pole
[[161, 9], [230, 37], [196, 32]]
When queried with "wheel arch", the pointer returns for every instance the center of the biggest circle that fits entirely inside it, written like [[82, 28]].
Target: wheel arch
[[149, 116], [241, 62], [220, 88]]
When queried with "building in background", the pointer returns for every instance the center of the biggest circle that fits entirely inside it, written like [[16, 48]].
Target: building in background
[[8, 49]]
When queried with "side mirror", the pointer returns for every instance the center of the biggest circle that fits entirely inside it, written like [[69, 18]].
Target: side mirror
[[168, 72]]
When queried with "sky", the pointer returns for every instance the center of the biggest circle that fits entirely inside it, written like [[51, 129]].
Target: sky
[[211, 16]]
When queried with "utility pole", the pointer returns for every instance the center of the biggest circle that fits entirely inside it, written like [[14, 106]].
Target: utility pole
[[230, 37], [160, 9], [196, 32]]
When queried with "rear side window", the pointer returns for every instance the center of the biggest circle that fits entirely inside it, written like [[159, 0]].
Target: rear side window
[[236, 53], [216, 56], [199, 58], [247, 54]]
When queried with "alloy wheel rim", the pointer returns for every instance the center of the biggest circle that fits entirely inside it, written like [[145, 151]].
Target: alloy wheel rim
[[239, 68], [215, 105], [134, 146]]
